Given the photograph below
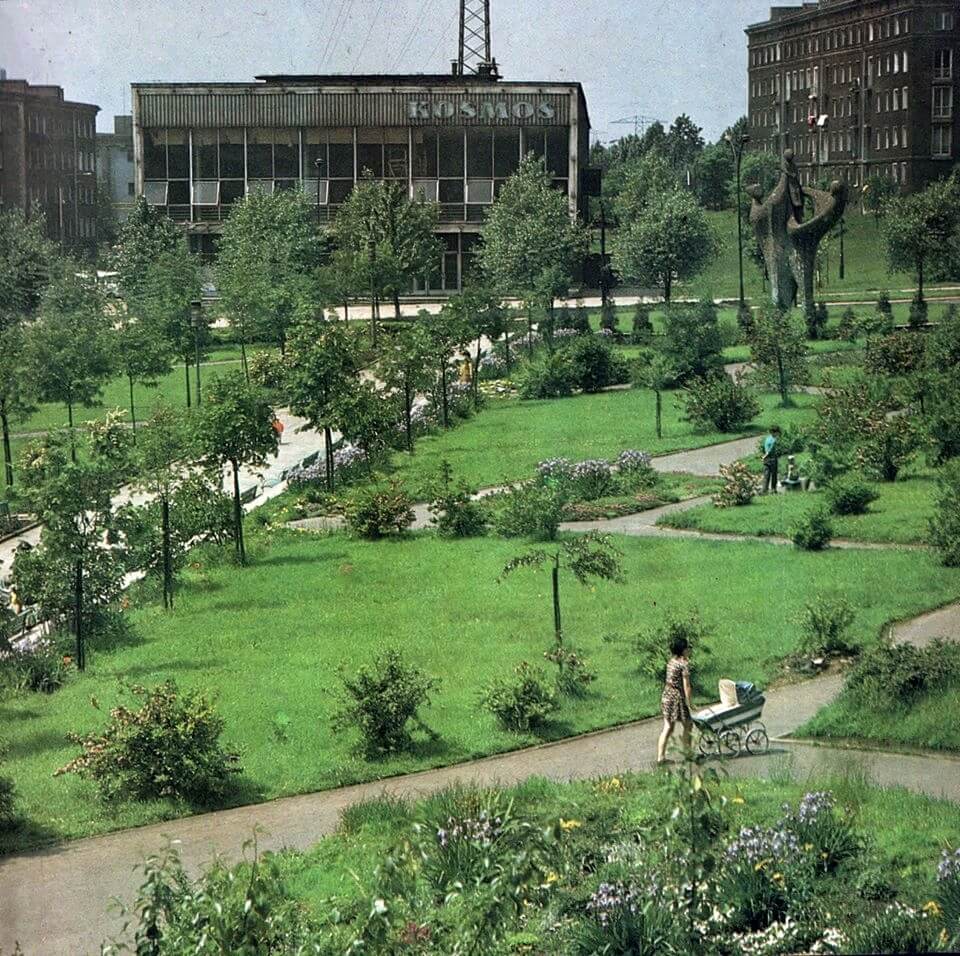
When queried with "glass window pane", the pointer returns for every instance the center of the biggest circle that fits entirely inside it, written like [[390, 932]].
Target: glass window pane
[[310, 190], [231, 191], [370, 154], [557, 155], [155, 193], [425, 189], [506, 152], [206, 193], [451, 152], [339, 190], [205, 154], [155, 154], [533, 142], [451, 190], [425, 153], [260, 187], [480, 190], [395, 156], [280, 184], [450, 271], [315, 148], [178, 155], [178, 193], [260, 154], [480, 153], [286, 154], [341, 155], [231, 154]]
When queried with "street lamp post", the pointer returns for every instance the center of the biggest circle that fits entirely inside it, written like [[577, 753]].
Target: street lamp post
[[196, 313], [736, 146], [318, 162]]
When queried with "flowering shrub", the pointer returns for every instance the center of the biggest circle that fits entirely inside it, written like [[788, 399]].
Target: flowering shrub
[[565, 334], [895, 929], [521, 704], [378, 511], [739, 486], [575, 674], [491, 367], [822, 832], [169, 747], [948, 887], [381, 699], [39, 667], [631, 460], [592, 478], [555, 469], [624, 920]]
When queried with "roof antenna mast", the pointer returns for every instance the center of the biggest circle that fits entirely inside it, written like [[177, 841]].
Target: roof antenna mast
[[474, 57]]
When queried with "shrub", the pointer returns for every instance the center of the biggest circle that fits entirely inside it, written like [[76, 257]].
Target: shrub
[[574, 673], [266, 370], [169, 747], [549, 375], [621, 920], [652, 646], [944, 528], [895, 929], [814, 531], [948, 887], [824, 622], [848, 495], [739, 486], [898, 354], [847, 329], [41, 668], [377, 511], [530, 511], [8, 814], [642, 327], [827, 463], [554, 470], [455, 513], [635, 469], [692, 339], [523, 703], [594, 363], [745, 320], [897, 674], [943, 420], [381, 700], [592, 479], [719, 403], [918, 312], [888, 443]]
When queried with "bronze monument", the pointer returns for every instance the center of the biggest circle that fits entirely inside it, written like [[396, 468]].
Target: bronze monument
[[789, 244]]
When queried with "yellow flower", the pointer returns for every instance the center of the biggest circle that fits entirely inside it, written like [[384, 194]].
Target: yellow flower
[[823, 856], [777, 877], [569, 824], [737, 800], [932, 907], [807, 847], [759, 865], [552, 878], [943, 936]]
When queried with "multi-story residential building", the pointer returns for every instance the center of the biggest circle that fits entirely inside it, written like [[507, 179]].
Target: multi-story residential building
[[858, 87], [48, 159], [453, 139], [115, 168]]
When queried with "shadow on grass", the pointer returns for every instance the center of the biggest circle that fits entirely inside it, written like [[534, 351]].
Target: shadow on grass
[[291, 559], [155, 670], [24, 834], [33, 744]]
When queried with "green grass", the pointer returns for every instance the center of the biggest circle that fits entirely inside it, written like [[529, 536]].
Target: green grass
[[898, 516], [269, 639], [509, 437], [925, 723]]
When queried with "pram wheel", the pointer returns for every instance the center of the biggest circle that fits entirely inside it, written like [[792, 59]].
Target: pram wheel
[[709, 744], [729, 744], [757, 741]]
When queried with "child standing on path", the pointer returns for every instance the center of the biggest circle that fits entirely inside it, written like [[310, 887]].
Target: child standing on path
[[770, 454]]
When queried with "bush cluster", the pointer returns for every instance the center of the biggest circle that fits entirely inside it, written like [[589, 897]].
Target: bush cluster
[[718, 403], [944, 529], [813, 531], [168, 747], [549, 375], [824, 623], [848, 495], [594, 364], [895, 675], [531, 511], [40, 668], [455, 512], [739, 486], [379, 510], [522, 703]]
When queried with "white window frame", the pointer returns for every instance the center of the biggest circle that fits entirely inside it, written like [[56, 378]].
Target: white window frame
[[941, 140], [943, 110], [155, 184], [944, 72]]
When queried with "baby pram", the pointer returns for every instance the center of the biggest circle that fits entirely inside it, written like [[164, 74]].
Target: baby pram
[[734, 724]]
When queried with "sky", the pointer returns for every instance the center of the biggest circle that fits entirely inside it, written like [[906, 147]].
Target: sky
[[652, 58]]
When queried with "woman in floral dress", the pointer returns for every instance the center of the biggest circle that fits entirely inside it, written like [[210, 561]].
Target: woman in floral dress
[[675, 702]]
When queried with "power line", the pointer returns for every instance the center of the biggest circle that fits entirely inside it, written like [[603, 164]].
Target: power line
[[366, 39], [442, 36], [413, 32], [333, 30]]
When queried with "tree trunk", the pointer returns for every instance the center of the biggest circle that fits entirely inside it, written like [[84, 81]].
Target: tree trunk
[[443, 393], [555, 581], [328, 455], [920, 280], [408, 412], [167, 558], [73, 446], [396, 305], [78, 614], [7, 453], [782, 378], [476, 376], [506, 350], [346, 309], [659, 414], [282, 341], [243, 361], [133, 410], [529, 332], [667, 283], [238, 516], [186, 375]]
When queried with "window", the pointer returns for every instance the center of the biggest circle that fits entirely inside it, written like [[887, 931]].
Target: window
[[479, 191], [896, 99], [178, 164], [944, 20], [896, 26], [942, 102], [340, 152], [130, 189], [370, 153], [260, 187], [479, 156], [896, 62], [886, 137], [903, 98], [940, 140], [903, 136], [896, 135], [155, 193], [905, 61], [870, 31], [506, 152], [231, 153], [206, 192], [260, 154], [425, 188], [286, 154], [395, 154], [451, 153], [943, 64], [205, 162], [316, 190]]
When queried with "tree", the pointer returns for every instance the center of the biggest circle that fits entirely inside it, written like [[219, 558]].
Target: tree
[[877, 192], [73, 571], [367, 417], [235, 427], [479, 313], [405, 368], [587, 556], [266, 263], [692, 339], [323, 363], [644, 180], [658, 374], [711, 176], [142, 354], [672, 240], [920, 230], [778, 351], [531, 247], [68, 349], [17, 392], [447, 335], [145, 236], [26, 260], [684, 143], [108, 226]]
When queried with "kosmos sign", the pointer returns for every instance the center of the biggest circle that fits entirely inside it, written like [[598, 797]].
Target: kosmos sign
[[482, 110]]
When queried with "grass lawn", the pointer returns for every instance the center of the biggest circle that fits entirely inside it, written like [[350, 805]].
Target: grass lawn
[[509, 437], [268, 641], [898, 516], [927, 723]]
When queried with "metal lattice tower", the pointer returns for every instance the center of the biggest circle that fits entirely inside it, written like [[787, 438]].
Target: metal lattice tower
[[475, 54]]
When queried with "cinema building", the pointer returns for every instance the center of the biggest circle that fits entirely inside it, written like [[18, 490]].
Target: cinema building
[[199, 148]]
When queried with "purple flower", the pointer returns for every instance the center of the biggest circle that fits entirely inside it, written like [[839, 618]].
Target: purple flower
[[555, 468], [755, 845], [949, 866], [611, 899], [482, 830], [633, 460]]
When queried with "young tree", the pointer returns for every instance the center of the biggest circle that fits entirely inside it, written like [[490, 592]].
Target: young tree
[[657, 374], [877, 192], [17, 393], [447, 335], [672, 240], [26, 260], [145, 236], [235, 428], [68, 349], [367, 417], [692, 340], [920, 230], [268, 255], [479, 313], [405, 367], [73, 571], [711, 176], [531, 247], [684, 143], [142, 354], [778, 351], [644, 179], [322, 363]]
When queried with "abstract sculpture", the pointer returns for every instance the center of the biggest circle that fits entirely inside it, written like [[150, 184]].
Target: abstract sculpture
[[789, 244]]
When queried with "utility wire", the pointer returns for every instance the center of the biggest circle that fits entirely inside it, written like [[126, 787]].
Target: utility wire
[[366, 39], [333, 30], [398, 60]]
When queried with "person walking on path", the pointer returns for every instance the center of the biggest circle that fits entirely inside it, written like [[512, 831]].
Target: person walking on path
[[675, 702], [770, 455]]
